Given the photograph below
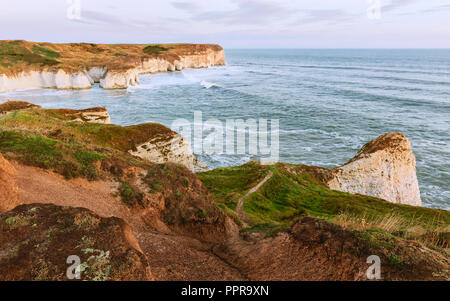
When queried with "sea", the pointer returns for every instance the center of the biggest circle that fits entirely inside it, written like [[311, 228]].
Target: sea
[[328, 103]]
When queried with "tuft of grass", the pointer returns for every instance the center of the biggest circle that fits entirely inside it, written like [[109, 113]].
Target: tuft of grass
[[130, 195], [16, 222]]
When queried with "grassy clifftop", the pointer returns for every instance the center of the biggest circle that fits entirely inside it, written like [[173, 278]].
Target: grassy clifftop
[[297, 190], [18, 55], [49, 139]]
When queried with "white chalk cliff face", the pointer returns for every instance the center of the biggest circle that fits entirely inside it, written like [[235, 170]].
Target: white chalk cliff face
[[170, 149], [385, 168], [58, 79], [108, 79]]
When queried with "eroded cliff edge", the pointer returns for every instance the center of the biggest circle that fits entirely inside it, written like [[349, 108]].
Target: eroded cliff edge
[[185, 226], [26, 64]]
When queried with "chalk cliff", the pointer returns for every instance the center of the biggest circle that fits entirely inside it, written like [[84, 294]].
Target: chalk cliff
[[79, 66], [169, 149], [384, 167]]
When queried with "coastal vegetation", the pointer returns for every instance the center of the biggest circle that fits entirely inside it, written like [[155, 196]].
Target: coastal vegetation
[[266, 204], [295, 191]]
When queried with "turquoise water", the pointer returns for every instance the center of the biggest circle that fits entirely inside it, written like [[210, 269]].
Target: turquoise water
[[328, 102]]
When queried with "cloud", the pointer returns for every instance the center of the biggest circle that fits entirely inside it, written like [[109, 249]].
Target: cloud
[[90, 16], [324, 15], [436, 9], [397, 4], [185, 6], [247, 12]]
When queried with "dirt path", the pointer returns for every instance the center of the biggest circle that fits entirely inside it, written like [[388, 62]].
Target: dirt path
[[240, 211], [41, 186]]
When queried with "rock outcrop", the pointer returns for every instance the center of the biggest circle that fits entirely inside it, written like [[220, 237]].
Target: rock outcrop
[[171, 148], [11, 106], [90, 115], [385, 168], [40, 242], [57, 79]]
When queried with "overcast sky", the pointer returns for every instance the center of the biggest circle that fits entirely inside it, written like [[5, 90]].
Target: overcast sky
[[233, 23]]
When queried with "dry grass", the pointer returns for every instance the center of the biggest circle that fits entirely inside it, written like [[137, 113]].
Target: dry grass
[[434, 233]]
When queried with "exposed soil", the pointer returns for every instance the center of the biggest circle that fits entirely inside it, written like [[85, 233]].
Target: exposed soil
[[171, 256], [40, 186], [317, 250]]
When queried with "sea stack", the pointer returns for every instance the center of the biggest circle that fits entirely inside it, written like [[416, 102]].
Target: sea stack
[[385, 168]]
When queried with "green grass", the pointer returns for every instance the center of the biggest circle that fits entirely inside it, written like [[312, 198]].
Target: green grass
[[14, 52], [50, 140], [121, 138], [69, 159], [130, 195], [227, 185], [48, 53], [154, 49], [286, 195]]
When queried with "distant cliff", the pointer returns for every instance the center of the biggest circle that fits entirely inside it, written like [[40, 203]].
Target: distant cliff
[[26, 64]]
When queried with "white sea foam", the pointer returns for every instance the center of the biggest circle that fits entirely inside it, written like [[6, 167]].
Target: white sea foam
[[208, 85]]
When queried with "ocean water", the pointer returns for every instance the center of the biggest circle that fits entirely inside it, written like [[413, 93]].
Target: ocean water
[[328, 103]]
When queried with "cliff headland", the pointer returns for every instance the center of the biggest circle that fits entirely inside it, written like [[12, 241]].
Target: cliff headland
[[26, 64]]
